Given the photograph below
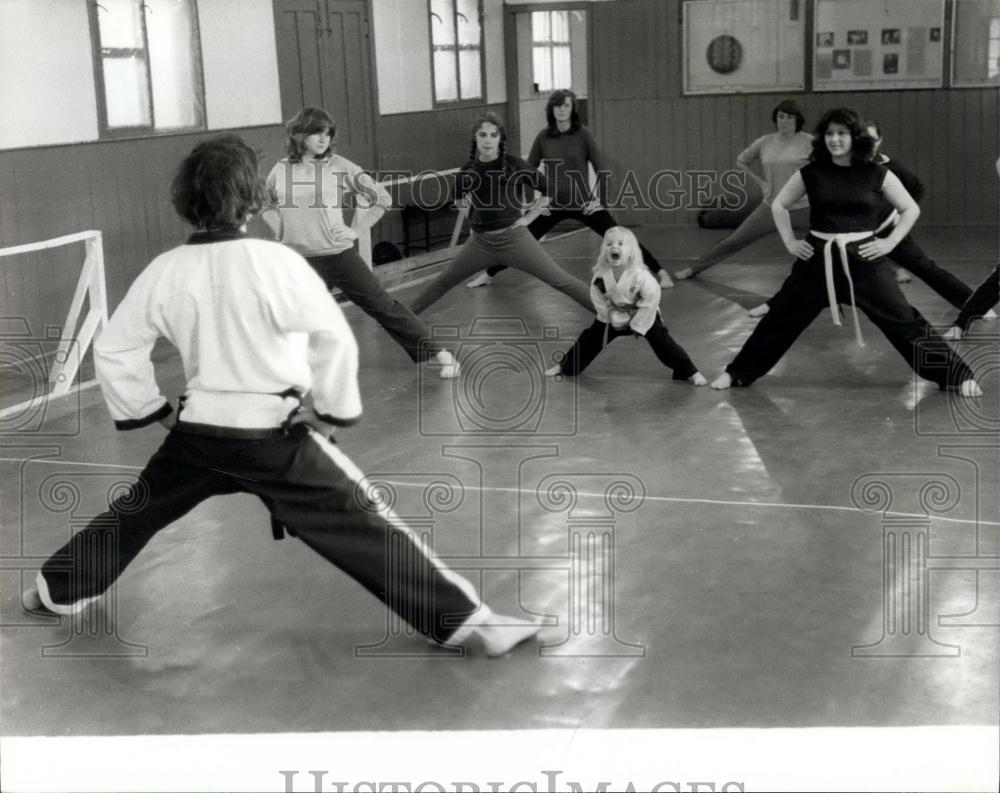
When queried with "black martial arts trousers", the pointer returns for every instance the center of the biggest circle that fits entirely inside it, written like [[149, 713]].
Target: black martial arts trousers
[[803, 296], [310, 487], [982, 300], [593, 339]]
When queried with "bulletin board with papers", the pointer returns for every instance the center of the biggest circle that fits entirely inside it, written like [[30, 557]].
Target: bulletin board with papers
[[875, 45]]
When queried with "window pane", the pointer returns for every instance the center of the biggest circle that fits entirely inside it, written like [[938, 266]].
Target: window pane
[[540, 26], [562, 72], [172, 54], [472, 76], [445, 79], [560, 26], [442, 22], [127, 92], [120, 24], [468, 22], [542, 64], [993, 54]]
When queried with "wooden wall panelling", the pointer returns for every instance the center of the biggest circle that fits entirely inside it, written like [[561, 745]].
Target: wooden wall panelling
[[121, 188], [990, 137]]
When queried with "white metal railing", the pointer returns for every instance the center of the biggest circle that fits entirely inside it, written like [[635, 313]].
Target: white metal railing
[[65, 366]]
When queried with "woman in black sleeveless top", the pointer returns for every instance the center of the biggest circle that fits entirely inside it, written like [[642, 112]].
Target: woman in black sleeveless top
[[842, 261]]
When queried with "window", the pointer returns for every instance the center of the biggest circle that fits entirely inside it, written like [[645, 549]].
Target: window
[[147, 66], [551, 51], [457, 45], [993, 52], [975, 45]]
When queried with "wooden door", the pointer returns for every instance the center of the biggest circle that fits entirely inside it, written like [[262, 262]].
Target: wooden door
[[324, 59]]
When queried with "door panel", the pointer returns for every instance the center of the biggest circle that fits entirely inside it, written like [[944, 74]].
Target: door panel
[[323, 59], [297, 26]]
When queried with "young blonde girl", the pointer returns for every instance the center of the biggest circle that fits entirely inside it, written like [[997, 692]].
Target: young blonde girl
[[627, 299]]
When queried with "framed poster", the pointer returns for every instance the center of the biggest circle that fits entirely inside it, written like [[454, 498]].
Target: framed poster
[[872, 45], [975, 44], [743, 46]]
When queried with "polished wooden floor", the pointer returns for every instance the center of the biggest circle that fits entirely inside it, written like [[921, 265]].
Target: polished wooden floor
[[819, 550]]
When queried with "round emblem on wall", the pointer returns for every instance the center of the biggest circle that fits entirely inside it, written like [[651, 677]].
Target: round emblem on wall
[[724, 54]]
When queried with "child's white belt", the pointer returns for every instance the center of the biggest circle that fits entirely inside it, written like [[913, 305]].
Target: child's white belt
[[840, 240]]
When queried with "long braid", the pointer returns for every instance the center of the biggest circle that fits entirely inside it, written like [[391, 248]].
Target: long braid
[[502, 150]]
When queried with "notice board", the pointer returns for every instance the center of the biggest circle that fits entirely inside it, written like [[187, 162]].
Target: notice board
[[872, 45], [743, 46]]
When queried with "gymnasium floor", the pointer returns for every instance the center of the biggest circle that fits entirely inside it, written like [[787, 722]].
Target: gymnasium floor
[[699, 557]]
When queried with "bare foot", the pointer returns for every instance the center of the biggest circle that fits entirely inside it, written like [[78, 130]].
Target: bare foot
[[498, 634], [970, 388], [759, 311], [697, 379], [450, 368], [666, 282], [722, 382], [683, 275], [32, 602], [552, 371], [483, 279]]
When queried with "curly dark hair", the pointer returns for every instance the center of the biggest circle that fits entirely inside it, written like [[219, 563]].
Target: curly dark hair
[[862, 144], [791, 108], [218, 186], [556, 98], [308, 121]]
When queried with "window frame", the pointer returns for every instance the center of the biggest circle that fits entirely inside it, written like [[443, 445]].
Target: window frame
[[476, 101], [106, 132], [540, 92], [956, 79]]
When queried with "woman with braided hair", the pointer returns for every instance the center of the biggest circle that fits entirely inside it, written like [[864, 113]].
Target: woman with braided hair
[[565, 150], [503, 194]]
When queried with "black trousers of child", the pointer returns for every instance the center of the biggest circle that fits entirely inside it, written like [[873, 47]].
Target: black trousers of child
[[986, 296], [591, 342], [599, 221], [310, 487], [803, 296]]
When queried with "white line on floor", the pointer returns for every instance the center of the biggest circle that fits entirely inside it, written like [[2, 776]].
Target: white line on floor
[[666, 499]]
